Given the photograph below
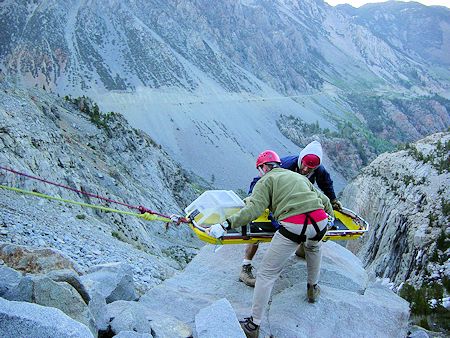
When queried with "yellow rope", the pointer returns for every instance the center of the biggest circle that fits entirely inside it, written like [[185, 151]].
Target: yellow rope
[[146, 216]]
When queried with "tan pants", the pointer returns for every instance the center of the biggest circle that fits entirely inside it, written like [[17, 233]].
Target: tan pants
[[276, 256]]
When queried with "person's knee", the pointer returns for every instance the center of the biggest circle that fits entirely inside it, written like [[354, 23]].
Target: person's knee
[[312, 246], [268, 272]]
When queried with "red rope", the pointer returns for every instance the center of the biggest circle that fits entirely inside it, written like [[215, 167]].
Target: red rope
[[140, 208]]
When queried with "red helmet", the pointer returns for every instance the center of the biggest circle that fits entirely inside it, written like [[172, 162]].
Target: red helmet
[[311, 161], [266, 157]]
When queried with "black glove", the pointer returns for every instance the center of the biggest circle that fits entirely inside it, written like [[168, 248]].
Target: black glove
[[337, 205]]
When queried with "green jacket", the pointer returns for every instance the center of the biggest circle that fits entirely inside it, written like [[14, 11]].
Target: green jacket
[[283, 192]]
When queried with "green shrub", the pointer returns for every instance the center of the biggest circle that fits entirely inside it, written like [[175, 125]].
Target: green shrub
[[445, 207], [407, 292], [435, 291], [443, 243], [419, 305], [434, 256], [408, 179], [417, 299], [446, 283], [85, 105], [423, 322], [432, 218]]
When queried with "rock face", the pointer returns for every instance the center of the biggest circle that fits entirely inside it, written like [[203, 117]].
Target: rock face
[[113, 281], [347, 305], [208, 319], [21, 319], [57, 140], [405, 198], [409, 26], [137, 317]]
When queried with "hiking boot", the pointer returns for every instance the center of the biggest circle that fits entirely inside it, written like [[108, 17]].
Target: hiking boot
[[313, 292], [250, 329], [300, 252], [246, 275]]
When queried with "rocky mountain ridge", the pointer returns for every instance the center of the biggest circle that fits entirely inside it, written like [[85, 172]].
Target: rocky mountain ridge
[[124, 45], [404, 195], [415, 29], [193, 70]]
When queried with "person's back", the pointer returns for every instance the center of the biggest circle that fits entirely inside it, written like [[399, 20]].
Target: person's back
[[290, 194]]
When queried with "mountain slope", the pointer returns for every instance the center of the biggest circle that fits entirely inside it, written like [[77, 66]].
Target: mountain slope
[[209, 82], [290, 45], [417, 30], [58, 140]]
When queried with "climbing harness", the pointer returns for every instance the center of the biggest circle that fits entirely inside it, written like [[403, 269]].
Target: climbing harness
[[302, 237]]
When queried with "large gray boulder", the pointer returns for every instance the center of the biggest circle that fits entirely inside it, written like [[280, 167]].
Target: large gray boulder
[[23, 292], [72, 278], [219, 314], [22, 319], [63, 296], [9, 279], [138, 317], [97, 306], [46, 292], [114, 281]]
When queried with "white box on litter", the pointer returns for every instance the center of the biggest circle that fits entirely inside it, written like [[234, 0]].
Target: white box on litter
[[214, 206]]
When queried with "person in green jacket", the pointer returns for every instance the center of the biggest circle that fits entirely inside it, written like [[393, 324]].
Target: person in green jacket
[[302, 212]]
